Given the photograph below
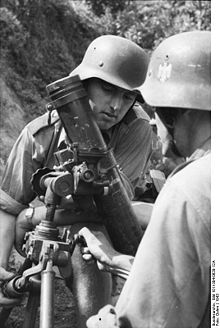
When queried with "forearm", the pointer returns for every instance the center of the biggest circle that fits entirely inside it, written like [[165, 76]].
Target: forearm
[[108, 259], [62, 217], [7, 236], [123, 262], [121, 265]]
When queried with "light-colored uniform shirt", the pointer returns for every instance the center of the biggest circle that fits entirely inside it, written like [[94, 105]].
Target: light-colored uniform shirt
[[130, 140], [169, 283]]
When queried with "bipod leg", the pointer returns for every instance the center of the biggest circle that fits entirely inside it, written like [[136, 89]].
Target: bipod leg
[[47, 297], [33, 303]]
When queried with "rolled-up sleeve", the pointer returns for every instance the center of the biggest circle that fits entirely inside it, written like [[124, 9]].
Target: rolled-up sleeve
[[16, 190]]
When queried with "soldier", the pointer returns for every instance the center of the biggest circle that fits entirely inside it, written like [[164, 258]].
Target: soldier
[[169, 282], [111, 71]]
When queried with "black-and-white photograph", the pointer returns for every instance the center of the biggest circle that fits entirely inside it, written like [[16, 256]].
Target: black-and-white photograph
[[105, 165]]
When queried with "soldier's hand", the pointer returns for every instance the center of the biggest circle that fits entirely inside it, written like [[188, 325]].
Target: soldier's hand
[[4, 301], [106, 318], [98, 247]]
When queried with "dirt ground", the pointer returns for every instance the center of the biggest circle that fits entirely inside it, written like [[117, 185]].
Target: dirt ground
[[64, 307], [64, 311]]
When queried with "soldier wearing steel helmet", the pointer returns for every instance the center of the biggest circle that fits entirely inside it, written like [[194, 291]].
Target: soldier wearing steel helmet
[[112, 70], [169, 282]]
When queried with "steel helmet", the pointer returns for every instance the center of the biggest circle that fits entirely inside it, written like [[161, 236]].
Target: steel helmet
[[116, 60], [179, 72]]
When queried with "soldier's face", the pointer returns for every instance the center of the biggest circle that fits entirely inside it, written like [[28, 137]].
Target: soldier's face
[[108, 102], [183, 133], [174, 124]]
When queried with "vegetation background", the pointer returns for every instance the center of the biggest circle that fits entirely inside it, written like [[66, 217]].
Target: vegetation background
[[43, 40]]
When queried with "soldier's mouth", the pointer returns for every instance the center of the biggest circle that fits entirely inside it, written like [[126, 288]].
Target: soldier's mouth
[[110, 115]]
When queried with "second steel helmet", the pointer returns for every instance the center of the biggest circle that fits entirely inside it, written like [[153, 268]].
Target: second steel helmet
[[116, 60], [179, 72]]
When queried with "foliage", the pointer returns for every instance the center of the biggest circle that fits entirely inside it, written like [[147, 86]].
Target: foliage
[[149, 22], [40, 42], [55, 38], [114, 6], [13, 35]]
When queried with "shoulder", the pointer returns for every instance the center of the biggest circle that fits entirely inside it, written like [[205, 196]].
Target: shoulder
[[188, 188], [195, 173], [136, 113], [42, 122], [192, 187], [136, 122]]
